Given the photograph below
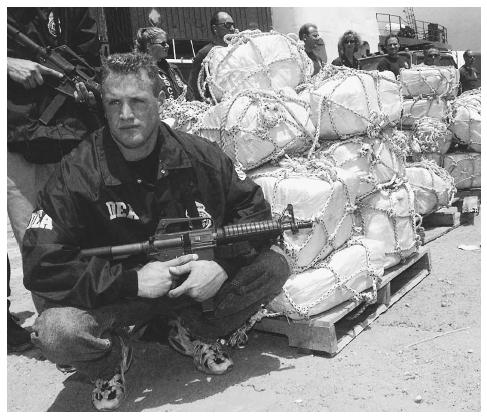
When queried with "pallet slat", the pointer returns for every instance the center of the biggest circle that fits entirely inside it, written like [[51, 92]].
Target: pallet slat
[[329, 332]]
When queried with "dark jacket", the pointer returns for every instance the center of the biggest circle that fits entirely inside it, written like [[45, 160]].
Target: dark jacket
[[94, 200], [70, 26], [173, 82], [343, 61], [195, 70]]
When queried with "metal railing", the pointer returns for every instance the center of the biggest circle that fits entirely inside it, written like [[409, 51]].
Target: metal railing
[[389, 23]]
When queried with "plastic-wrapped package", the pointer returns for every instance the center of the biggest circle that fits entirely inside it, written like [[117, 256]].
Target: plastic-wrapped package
[[353, 102], [467, 120], [433, 186], [376, 161], [344, 275], [416, 109], [388, 215], [318, 192], [429, 80], [258, 126], [432, 135], [254, 59], [181, 114], [465, 168]]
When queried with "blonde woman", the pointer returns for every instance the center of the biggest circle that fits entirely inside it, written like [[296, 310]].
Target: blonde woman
[[154, 41]]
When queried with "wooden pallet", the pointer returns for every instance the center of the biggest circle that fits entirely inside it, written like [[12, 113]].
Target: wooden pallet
[[331, 331]]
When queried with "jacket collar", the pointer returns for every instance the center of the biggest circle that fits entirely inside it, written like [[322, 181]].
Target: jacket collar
[[114, 168]]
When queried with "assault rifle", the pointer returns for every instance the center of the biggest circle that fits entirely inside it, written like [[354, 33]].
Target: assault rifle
[[64, 60], [166, 246]]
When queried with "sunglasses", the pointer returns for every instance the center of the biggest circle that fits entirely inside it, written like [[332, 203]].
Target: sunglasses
[[166, 44], [433, 56], [227, 25], [349, 42]]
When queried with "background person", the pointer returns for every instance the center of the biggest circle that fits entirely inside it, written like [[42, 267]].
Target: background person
[[221, 24], [469, 79], [153, 40], [34, 149], [348, 45], [115, 189], [431, 56], [313, 45], [392, 61]]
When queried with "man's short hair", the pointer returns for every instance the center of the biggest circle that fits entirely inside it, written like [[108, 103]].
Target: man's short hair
[[466, 53], [390, 36], [304, 30], [215, 17], [133, 63]]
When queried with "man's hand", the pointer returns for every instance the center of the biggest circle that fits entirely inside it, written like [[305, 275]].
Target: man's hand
[[82, 95], [28, 73], [204, 280], [155, 278]]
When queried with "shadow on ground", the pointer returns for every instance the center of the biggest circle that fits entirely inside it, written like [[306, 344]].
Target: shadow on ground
[[160, 376]]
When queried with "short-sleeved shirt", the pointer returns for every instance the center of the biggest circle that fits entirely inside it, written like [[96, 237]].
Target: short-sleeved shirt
[[393, 64]]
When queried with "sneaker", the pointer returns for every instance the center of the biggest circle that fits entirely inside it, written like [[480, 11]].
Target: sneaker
[[109, 394], [66, 369], [209, 358], [18, 338]]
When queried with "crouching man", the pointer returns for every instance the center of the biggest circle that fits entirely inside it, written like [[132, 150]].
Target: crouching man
[[114, 189]]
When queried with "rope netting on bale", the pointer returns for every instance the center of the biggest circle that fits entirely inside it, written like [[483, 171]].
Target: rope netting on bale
[[432, 135], [423, 81], [345, 274], [467, 120], [376, 162], [181, 114], [416, 109], [352, 103], [464, 168], [318, 192], [259, 126], [254, 59], [432, 185], [389, 215]]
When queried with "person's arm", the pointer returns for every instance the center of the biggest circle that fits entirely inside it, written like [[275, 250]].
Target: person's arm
[[195, 70], [383, 65], [53, 267]]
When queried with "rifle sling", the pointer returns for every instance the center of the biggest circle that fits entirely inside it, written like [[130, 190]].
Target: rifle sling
[[52, 108]]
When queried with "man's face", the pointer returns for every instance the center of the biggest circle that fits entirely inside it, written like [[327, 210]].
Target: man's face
[[432, 57], [392, 46], [132, 111], [469, 59], [224, 26], [312, 39]]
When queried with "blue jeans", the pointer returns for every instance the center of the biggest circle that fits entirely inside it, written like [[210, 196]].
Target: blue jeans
[[85, 338]]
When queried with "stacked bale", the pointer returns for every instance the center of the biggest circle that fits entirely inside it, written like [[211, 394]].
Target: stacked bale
[[327, 144]]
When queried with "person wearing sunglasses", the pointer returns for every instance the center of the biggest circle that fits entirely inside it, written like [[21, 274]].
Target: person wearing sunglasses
[[431, 56], [221, 24], [469, 79], [154, 41], [392, 61], [348, 45], [314, 45]]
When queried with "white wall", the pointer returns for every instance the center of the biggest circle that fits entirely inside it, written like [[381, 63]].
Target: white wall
[[332, 22]]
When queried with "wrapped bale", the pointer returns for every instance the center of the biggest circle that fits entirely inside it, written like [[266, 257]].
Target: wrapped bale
[[464, 168], [344, 275], [375, 162], [425, 80], [388, 215], [432, 185], [416, 109], [254, 59], [353, 102], [181, 114], [466, 119], [435, 157], [259, 126], [432, 135], [318, 192]]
